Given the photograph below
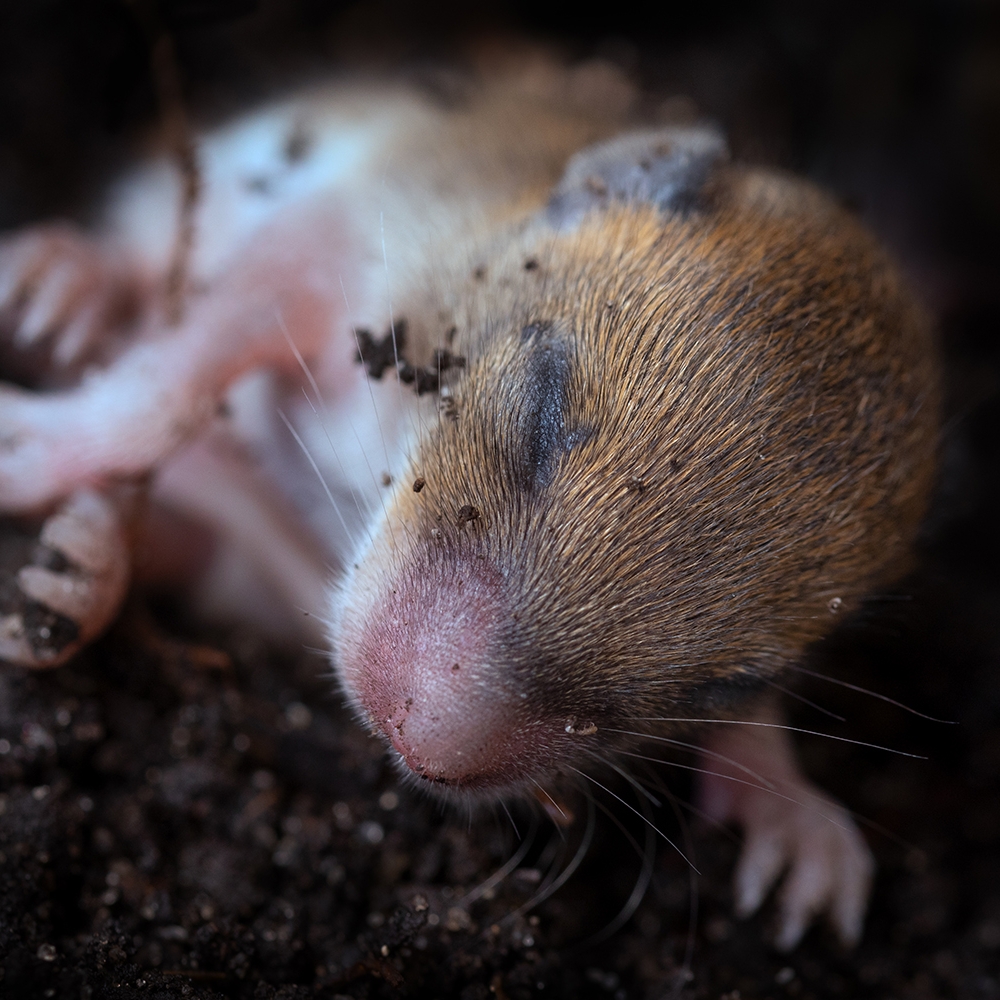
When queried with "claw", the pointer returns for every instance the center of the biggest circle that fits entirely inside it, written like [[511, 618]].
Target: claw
[[792, 830], [14, 262], [78, 335], [49, 304], [61, 286], [760, 865]]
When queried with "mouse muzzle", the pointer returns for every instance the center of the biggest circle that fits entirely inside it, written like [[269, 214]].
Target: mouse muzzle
[[428, 662]]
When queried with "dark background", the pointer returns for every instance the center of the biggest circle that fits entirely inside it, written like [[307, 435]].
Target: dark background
[[896, 107]]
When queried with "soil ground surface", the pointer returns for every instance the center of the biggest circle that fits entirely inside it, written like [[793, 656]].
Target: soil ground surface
[[186, 812]]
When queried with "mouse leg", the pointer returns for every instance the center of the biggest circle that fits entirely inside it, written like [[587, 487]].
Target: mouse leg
[[790, 827], [64, 289], [61, 587], [215, 482], [165, 387]]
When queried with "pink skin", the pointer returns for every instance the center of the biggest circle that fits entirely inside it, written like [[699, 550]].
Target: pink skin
[[423, 664], [126, 418], [789, 826], [58, 285]]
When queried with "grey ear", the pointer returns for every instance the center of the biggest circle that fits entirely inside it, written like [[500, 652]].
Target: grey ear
[[666, 167]]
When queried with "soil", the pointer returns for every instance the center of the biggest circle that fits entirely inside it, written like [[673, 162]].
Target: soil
[[175, 823], [189, 812]]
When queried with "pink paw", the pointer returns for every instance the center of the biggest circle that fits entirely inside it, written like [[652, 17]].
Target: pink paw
[[793, 833], [60, 288], [827, 865], [69, 585]]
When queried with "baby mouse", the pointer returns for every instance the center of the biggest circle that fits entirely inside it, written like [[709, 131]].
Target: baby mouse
[[569, 435]]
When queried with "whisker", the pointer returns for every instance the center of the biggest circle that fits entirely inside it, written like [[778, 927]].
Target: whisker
[[883, 831], [366, 515], [388, 295], [637, 813], [723, 828], [378, 420], [320, 652], [776, 725], [376, 484], [874, 694], [550, 859], [319, 475], [297, 354], [739, 781], [368, 380], [692, 887], [701, 750], [641, 887], [766, 786], [708, 773], [509, 866], [805, 701], [633, 843], [503, 806], [565, 819], [301, 360], [635, 783], [567, 872]]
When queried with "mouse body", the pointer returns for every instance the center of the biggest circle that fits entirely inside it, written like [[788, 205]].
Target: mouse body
[[569, 435]]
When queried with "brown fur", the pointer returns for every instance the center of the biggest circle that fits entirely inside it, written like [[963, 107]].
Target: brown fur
[[754, 404]]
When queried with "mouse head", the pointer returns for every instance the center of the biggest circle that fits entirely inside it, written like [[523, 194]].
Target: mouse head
[[624, 511]]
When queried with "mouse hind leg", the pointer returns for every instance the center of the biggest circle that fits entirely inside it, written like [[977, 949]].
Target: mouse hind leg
[[166, 388], [63, 574], [63, 583], [279, 300]]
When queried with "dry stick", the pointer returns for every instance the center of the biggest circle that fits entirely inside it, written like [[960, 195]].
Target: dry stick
[[177, 131], [166, 80]]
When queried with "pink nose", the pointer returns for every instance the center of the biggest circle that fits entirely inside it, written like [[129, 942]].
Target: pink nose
[[429, 666], [444, 730]]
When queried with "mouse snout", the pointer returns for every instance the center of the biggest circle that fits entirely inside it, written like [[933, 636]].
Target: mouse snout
[[443, 727], [428, 665]]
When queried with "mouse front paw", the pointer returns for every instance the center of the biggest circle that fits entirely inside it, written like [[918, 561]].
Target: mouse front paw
[[811, 840], [62, 290], [793, 833], [62, 586]]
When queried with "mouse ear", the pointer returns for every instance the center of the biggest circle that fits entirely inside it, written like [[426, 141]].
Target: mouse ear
[[667, 167]]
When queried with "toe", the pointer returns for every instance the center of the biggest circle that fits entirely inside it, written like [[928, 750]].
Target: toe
[[760, 864], [81, 531], [48, 305], [831, 874], [850, 900], [72, 588], [17, 258], [805, 894], [80, 333]]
